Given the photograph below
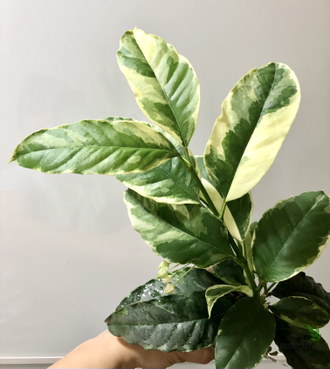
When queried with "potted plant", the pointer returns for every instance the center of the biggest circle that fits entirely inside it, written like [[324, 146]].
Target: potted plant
[[218, 270]]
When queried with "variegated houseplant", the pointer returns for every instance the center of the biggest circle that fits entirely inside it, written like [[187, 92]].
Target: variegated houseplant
[[195, 212]]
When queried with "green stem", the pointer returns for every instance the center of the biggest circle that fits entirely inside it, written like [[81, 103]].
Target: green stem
[[192, 171], [172, 275], [183, 275], [234, 246], [252, 283], [222, 211]]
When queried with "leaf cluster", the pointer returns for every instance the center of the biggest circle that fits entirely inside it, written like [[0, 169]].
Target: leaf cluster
[[195, 211]]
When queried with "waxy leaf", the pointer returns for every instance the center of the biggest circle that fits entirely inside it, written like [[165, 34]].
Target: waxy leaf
[[195, 281], [291, 236], [300, 311], [299, 349], [214, 293], [302, 285], [230, 272], [237, 215], [245, 333], [179, 233], [169, 322], [164, 83], [169, 183], [95, 147], [256, 116], [248, 245]]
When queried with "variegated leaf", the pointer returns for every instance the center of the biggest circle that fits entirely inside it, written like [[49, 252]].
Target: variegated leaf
[[164, 83], [248, 245], [237, 215], [230, 272], [244, 335], [256, 116], [300, 311], [299, 349], [95, 147], [291, 236], [214, 293], [169, 183], [302, 285], [170, 322], [179, 233]]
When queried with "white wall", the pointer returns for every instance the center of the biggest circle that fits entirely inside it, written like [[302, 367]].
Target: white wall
[[68, 251]]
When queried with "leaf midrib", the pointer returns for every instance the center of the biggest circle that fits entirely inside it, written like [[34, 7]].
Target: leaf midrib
[[158, 324], [260, 117], [294, 232], [185, 232], [168, 100], [98, 146]]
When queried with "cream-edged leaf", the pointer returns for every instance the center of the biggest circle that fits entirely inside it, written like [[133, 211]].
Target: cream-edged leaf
[[300, 311], [169, 183], [238, 213], [214, 293], [255, 119], [164, 83], [95, 147], [291, 236], [179, 233]]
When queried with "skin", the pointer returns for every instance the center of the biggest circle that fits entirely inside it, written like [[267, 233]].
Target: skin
[[108, 351]]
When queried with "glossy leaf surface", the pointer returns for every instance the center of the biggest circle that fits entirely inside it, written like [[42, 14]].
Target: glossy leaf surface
[[300, 311], [245, 333], [179, 233], [302, 285], [169, 322], [300, 351], [214, 293], [291, 236], [95, 147], [230, 272], [169, 183], [164, 83], [256, 116]]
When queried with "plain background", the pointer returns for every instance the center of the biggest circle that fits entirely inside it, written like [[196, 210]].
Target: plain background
[[68, 251]]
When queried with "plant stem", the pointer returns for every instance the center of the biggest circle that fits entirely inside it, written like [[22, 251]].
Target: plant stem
[[243, 263], [252, 283], [183, 275], [192, 171], [222, 211], [234, 246], [176, 271]]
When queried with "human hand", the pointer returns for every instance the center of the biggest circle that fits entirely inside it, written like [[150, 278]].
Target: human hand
[[108, 351]]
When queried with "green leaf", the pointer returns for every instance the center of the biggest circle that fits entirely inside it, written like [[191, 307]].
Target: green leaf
[[172, 322], [245, 333], [299, 349], [214, 293], [300, 311], [95, 147], [169, 183], [164, 83], [237, 214], [302, 285], [256, 116], [179, 233], [291, 236], [248, 245], [230, 272]]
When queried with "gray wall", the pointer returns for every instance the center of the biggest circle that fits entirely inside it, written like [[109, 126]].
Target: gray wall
[[68, 251]]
